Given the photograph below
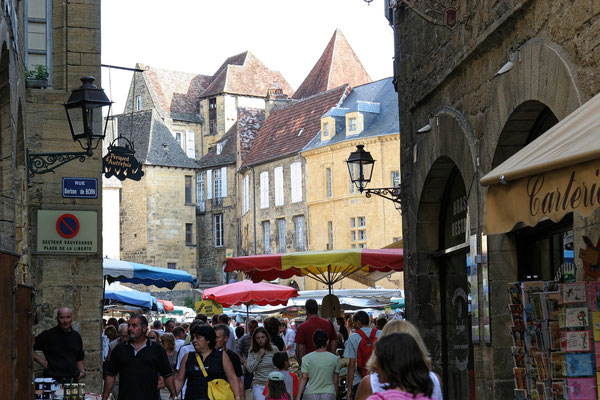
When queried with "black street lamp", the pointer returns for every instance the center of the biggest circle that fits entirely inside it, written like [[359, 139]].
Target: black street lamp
[[360, 166], [83, 112]]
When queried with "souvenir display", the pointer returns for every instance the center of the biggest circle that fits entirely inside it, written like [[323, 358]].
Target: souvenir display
[[556, 339]]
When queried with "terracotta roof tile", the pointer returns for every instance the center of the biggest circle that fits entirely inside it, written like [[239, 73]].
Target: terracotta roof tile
[[176, 92], [249, 122], [338, 65], [290, 128], [246, 75]]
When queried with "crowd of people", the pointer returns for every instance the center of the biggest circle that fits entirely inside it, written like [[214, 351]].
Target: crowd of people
[[379, 359]]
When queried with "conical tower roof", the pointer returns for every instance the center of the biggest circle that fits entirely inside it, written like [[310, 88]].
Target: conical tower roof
[[338, 65]]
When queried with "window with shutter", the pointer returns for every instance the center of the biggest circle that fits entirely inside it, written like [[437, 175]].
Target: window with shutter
[[300, 233], [209, 184], [281, 234], [200, 191], [264, 189], [296, 178], [246, 194], [279, 186], [190, 144], [267, 236], [223, 182]]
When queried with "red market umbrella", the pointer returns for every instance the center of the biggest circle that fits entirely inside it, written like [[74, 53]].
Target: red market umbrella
[[249, 293], [327, 267]]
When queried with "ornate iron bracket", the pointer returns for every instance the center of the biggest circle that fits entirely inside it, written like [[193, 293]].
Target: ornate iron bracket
[[392, 194], [42, 163]]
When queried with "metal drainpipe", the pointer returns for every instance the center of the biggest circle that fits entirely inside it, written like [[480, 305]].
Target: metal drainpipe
[[254, 205]]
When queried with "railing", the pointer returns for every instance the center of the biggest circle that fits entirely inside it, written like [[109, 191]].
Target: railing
[[217, 202]]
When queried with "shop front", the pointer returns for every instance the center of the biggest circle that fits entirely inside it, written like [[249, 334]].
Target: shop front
[[544, 198]]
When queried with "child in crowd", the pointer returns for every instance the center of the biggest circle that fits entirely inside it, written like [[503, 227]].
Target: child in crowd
[[399, 363], [276, 387], [320, 372], [281, 361]]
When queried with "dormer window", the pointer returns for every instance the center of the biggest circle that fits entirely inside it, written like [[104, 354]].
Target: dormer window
[[219, 148], [352, 124], [325, 129], [355, 121]]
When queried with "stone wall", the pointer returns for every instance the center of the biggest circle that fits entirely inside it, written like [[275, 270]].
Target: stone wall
[[210, 257], [153, 220], [66, 280], [286, 211], [447, 78]]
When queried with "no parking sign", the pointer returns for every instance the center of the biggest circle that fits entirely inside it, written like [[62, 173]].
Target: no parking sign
[[67, 231]]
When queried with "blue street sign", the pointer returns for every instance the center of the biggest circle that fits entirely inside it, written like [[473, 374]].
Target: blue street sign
[[81, 188]]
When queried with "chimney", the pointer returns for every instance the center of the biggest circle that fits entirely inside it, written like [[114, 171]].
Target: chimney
[[275, 97]]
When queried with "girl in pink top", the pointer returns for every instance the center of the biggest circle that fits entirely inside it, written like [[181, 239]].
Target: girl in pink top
[[399, 362]]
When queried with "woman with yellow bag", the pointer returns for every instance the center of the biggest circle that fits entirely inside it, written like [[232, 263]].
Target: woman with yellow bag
[[206, 369]]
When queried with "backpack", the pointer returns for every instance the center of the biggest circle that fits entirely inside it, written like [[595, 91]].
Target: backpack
[[365, 348]]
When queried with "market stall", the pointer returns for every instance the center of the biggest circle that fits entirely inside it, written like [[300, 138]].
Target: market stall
[[554, 307], [130, 272], [248, 293], [327, 267]]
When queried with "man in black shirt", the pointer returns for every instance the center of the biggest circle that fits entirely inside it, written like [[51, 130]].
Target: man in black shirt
[[138, 362], [62, 348], [222, 331]]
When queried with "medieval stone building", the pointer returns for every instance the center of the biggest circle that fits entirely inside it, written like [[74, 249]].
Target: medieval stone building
[[36, 280], [475, 87], [182, 213]]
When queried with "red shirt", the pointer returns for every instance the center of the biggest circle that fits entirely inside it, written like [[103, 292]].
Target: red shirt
[[306, 330]]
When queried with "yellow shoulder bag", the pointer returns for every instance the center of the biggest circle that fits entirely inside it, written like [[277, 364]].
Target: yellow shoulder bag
[[218, 389]]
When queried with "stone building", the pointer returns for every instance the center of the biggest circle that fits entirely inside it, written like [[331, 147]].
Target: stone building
[[216, 207], [341, 217], [272, 178], [187, 127], [158, 212], [469, 98], [35, 282]]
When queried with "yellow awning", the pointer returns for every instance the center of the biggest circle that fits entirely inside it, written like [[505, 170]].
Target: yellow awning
[[557, 173]]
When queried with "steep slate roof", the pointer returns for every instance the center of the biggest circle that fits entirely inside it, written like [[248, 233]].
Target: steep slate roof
[[338, 65], [290, 128], [386, 122], [245, 74], [176, 92], [249, 122], [227, 156], [153, 142]]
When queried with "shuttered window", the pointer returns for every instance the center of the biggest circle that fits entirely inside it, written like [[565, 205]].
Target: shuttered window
[[278, 186], [296, 181], [264, 189]]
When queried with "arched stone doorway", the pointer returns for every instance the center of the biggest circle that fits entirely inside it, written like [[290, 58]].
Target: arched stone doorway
[[443, 225], [530, 245]]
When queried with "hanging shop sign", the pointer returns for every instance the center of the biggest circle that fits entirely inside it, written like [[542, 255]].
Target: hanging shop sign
[[67, 231], [121, 162]]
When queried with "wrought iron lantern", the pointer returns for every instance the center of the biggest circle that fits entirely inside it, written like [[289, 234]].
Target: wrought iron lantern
[[360, 166], [84, 111], [84, 114]]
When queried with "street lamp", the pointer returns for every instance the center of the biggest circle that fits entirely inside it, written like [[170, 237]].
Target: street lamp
[[360, 166], [83, 112]]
